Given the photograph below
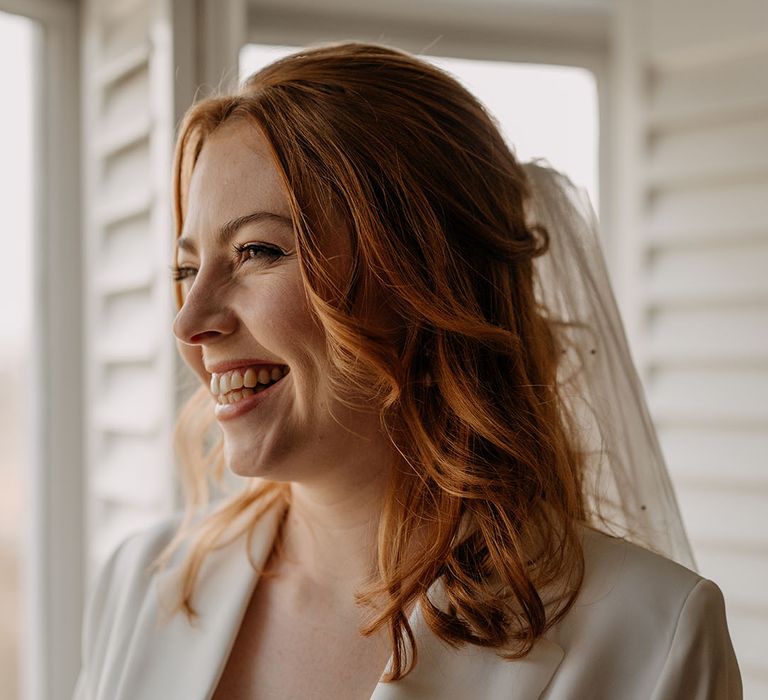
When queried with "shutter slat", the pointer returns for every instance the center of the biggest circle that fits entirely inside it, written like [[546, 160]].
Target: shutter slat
[[120, 67]]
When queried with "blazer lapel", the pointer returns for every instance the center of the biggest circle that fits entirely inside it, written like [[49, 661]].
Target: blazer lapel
[[177, 660], [472, 671]]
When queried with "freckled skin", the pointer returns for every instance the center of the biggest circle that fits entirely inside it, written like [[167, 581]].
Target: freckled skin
[[336, 460], [237, 307]]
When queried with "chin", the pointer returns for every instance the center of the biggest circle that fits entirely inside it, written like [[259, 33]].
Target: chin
[[248, 461], [244, 465]]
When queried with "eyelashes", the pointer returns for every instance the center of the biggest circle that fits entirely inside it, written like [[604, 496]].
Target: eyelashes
[[256, 250], [179, 273], [245, 252]]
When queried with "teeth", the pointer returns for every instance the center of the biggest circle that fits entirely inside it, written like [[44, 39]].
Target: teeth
[[238, 384], [250, 379]]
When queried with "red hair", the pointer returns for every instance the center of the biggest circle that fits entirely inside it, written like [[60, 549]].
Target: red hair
[[467, 388]]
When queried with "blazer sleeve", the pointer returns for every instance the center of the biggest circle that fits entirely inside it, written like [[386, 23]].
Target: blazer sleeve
[[701, 664], [117, 594], [97, 621]]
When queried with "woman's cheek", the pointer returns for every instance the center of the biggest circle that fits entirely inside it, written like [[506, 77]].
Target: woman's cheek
[[283, 315]]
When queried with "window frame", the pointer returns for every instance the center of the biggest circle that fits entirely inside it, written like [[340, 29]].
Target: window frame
[[578, 33], [53, 485]]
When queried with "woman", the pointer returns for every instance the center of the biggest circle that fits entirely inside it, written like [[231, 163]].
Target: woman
[[403, 338]]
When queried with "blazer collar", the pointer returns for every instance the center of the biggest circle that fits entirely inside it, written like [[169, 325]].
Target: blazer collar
[[179, 660], [471, 671]]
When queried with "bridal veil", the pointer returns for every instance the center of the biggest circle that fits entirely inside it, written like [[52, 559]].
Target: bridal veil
[[627, 483]]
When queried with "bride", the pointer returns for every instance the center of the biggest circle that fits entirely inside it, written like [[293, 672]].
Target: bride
[[407, 343]]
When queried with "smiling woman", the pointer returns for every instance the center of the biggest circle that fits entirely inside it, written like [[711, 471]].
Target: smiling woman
[[244, 305], [390, 319]]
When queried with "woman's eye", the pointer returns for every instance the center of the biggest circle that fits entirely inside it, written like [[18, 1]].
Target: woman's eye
[[252, 251], [245, 252], [179, 273]]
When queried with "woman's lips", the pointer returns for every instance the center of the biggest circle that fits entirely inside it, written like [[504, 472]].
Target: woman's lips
[[230, 411]]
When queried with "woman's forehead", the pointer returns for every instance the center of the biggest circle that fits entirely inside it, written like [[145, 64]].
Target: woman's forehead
[[233, 177]]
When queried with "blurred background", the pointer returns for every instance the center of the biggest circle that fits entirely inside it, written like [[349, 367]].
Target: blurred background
[[658, 108]]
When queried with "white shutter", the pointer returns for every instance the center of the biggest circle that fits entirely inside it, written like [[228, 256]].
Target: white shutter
[[144, 62], [128, 130], [698, 227]]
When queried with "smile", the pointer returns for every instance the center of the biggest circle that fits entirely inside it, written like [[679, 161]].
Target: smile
[[238, 384]]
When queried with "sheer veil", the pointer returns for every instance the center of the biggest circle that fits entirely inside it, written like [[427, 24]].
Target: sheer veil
[[628, 487]]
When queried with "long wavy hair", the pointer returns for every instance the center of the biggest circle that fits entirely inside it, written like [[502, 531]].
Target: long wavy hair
[[467, 390]]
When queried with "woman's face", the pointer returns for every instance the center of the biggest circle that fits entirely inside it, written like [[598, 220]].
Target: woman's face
[[247, 308]]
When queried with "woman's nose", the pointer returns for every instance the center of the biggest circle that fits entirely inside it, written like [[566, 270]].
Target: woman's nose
[[203, 317]]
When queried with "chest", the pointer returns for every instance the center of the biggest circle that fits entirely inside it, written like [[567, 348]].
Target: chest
[[285, 650]]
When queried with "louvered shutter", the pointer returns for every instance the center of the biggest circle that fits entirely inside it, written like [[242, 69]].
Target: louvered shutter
[[144, 63], [700, 310], [128, 129]]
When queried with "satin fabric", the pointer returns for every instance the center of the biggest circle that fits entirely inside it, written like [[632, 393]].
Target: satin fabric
[[641, 627]]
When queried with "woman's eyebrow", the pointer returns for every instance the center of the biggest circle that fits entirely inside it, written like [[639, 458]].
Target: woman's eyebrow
[[226, 231]]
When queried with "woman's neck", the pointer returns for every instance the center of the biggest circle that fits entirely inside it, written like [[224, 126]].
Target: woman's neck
[[327, 541]]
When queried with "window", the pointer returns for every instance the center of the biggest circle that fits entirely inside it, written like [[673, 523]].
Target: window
[[41, 509], [529, 101], [16, 77]]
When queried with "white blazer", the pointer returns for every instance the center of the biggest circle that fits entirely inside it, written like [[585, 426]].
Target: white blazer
[[642, 627]]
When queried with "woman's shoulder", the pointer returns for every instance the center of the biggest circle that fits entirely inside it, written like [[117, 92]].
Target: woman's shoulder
[[124, 575], [115, 596], [144, 544], [643, 616], [627, 584], [127, 569], [126, 608], [614, 565], [129, 559]]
